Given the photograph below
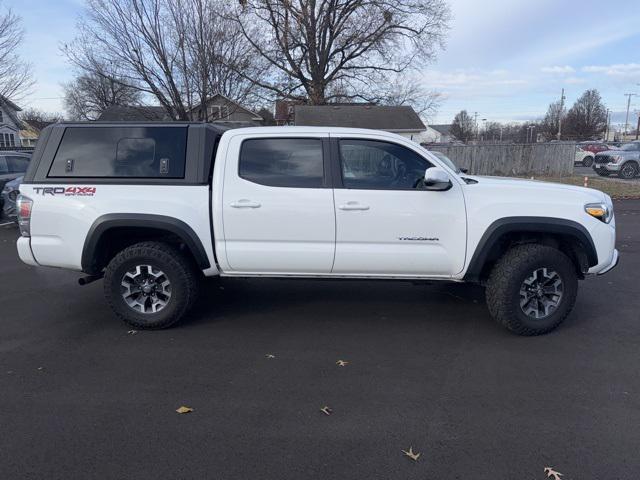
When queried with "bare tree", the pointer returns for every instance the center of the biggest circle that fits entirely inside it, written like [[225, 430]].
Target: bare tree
[[587, 118], [179, 52], [463, 126], [37, 116], [325, 50], [89, 94], [16, 77], [548, 126], [411, 92]]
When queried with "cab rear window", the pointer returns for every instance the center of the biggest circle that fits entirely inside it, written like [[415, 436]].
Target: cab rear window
[[116, 152]]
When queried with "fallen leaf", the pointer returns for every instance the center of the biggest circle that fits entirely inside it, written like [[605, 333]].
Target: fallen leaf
[[552, 473], [342, 363], [40, 368], [132, 332], [411, 455], [326, 410], [184, 409], [270, 355]]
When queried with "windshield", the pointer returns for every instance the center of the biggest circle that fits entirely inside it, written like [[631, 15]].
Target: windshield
[[630, 146], [446, 160]]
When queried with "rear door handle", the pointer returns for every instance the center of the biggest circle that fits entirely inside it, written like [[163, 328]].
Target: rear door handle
[[244, 203], [353, 206]]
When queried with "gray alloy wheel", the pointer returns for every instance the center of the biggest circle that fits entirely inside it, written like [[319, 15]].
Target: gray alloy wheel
[[146, 289], [629, 170], [541, 293]]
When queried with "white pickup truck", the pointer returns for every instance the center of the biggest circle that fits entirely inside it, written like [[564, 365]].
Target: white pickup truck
[[152, 207]]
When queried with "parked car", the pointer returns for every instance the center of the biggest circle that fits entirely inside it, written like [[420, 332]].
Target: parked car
[[595, 147], [8, 198], [624, 162], [152, 213], [583, 157], [12, 165]]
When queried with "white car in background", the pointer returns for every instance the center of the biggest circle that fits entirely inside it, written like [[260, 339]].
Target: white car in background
[[583, 157]]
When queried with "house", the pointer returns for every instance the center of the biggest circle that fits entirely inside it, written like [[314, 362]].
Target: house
[[10, 124], [437, 134], [122, 113], [219, 110], [284, 111], [222, 109], [30, 131], [402, 119]]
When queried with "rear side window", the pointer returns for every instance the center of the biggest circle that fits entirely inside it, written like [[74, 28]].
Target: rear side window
[[4, 169], [134, 152], [283, 162], [17, 164]]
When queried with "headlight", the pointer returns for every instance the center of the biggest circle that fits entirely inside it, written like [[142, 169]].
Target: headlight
[[600, 211], [615, 158]]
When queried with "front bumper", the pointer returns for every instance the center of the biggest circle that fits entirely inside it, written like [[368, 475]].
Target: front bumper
[[608, 167], [612, 265]]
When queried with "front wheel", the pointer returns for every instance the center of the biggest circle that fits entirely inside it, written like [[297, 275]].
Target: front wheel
[[629, 170], [532, 289], [150, 285]]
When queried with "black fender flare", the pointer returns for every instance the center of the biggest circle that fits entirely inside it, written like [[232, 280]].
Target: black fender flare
[[508, 225], [141, 220]]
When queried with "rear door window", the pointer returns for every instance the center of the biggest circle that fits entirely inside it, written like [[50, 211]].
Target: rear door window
[[113, 152], [283, 162]]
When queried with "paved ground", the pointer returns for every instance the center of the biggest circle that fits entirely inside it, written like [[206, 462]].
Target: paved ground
[[589, 172], [80, 398]]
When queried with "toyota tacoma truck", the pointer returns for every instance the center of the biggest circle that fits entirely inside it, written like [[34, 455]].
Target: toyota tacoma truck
[[154, 207]]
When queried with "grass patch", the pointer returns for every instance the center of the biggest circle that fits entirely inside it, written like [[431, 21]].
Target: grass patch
[[614, 187]]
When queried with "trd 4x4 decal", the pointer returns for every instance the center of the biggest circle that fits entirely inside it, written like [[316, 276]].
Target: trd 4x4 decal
[[66, 191]]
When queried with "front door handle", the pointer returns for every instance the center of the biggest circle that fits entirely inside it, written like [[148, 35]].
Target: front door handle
[[244, 203], [353, 206]]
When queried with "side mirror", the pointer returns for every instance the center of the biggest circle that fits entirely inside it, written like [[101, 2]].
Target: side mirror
[[436, 179], [464, 170]]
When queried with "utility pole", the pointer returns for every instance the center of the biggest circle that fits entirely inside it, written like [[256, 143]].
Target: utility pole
[[626, 122], [606, 130], [638, 126], [562, 97], [475, 121]]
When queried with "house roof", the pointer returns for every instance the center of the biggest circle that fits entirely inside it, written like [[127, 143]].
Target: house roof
[[379, 117], [36, 125], [117, 113], [239, 107], [11, 109], [444, 129]]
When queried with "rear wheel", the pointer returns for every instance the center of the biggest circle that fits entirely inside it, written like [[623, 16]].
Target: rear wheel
[[150, 285], [532, 289], [629, 170], [587, 161]]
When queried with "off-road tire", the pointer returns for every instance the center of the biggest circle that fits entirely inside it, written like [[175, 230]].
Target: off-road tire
[[507, 277], [628, 171], [587, 161], [177, 266]]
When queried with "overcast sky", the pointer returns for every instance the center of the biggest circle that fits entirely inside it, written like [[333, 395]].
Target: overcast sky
[[505, 59]]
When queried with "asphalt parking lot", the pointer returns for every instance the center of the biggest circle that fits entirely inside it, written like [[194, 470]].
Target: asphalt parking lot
[[82, 398], [589, 172]]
